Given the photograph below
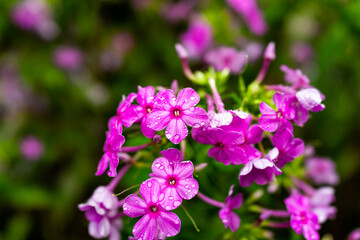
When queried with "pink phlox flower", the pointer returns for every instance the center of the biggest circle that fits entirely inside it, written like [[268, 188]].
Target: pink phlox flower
[[145, 97], [232, 143], [32, 148], [175, 12], [155, 216], [126, 113], [310, 99], [260, 170], [101, 211], [68, 58], [175, 113], [354, 235], [302, 219], [176, 179], [321, 171], [197, 38], [321, 200], [36, 16], [226, 58], [295, 77], [288, 146], [270, 119], [227, 216], [112, 146], [251, 13]]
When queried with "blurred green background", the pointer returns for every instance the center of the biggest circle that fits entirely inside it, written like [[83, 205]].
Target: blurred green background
[[68, 110]]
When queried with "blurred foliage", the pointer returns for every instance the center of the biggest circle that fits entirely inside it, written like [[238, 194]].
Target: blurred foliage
[[38, 200]]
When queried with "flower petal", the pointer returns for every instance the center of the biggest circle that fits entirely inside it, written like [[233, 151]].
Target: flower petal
[[169, 223], [158, 119], [145, 228], [296, 148], [172, 154], [195, 117], [254, 135], [187, 98], [187, 188], [233, 138], [145, 95], [282, 138], [234, 221], [184, 170], [208, 136], [148, 132], [171, 200], [176, 131], [150, 190], [164, 100], [161, 168], [134, 206], [266, 109], [268, 122]]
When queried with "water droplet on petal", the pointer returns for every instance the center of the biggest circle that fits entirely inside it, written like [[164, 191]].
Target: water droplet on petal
[[168, 208], [162, 167], [192, 98], [193, 185], [192, 109], [157, 165], [171, 198], [196, 125], [177, 203], [168, 135], [149, 184], [177, 136]]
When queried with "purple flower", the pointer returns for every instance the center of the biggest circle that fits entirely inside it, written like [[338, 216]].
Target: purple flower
[[301, 52], [320, 203], [302, 220], [226, 58], [174, 113], [310, 99], [175, 178], [321, 171], [174, 12], [288, 146], [252, 14], [145, 98], [231, 144], [32, 148], [101, 211], [35, 15], [126, 114], [260, 170], [68, 58], [227, 216], [197, 38], [271, 119], [295, 77], [354, 235], [254, 50], [155, 216]]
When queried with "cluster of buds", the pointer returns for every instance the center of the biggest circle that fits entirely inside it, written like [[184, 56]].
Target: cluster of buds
[[236, 138]]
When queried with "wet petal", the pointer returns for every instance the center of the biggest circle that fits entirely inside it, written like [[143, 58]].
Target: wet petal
[[172, 154], [169, 223], [176, 131], [150, 190], [254, 135], [233, 138], [171, 200], [187, 188], [187, 98], [184, 170], [195, 117], [164, 100], [145, 95], [134, 206], [161, 168], [208, 136], [145, 228], [158, 119]]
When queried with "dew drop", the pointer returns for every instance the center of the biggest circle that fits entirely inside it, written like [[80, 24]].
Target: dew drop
[[192, 98], [192, 109], [196, 125], [157, 165], [168, 135], [176, 222], [193, 185], [171, 198], [162, 167], [177, 136], [187, 186], [177, 203], [149, 184], [168, 208]]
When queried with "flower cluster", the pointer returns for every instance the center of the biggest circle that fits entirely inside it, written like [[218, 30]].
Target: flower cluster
[[259, 145]]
